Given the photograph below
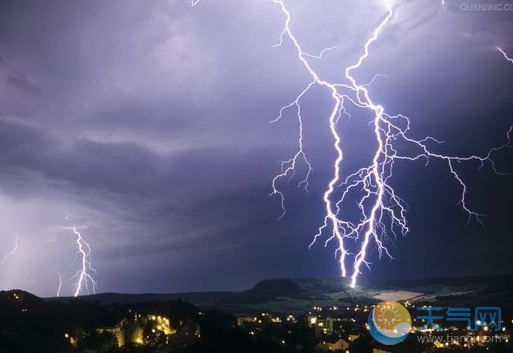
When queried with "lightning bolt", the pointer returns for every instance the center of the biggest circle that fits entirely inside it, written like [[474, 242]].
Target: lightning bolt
[[59, 276], [288, 167], [84, 277], [505, 55], [382, 213], [10, 253]]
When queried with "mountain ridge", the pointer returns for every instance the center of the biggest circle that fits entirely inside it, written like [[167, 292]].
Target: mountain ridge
[[328, 289]]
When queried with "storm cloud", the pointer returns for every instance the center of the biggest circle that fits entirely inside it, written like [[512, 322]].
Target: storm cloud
[[146, 126]]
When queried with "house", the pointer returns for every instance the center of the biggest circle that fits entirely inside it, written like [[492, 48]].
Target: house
[[332, 342], [377, 350]]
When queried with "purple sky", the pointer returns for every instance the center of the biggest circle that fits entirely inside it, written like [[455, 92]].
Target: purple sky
[[146, 126]]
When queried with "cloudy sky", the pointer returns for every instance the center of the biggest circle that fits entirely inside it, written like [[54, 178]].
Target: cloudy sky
[[146, 125]]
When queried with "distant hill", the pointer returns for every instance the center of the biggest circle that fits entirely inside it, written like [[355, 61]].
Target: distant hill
[[298, 288], [18, 297], [498, 280], [302, 293], [198, 298]]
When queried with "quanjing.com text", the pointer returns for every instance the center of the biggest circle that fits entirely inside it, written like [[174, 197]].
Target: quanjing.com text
[[486, 7]]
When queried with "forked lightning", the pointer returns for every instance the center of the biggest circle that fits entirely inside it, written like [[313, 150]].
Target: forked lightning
[[381, 212]]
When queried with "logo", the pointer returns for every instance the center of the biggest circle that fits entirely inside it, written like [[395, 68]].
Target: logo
[[389, 323], [486, 317]]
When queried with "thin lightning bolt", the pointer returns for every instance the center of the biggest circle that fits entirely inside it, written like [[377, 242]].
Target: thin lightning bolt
[[381, 211], [60, 283], [10, 253], [84, 277], [289, 166], [505, 55]]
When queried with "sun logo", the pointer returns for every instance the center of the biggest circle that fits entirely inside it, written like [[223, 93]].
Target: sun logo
[[389, 323], [388, 316]]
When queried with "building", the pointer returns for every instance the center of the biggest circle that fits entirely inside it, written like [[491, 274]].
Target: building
[[377, 350], [139, 329], [322, 326], [333, 342]]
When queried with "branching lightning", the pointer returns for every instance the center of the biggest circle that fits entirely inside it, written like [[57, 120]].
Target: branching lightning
[[85, 280], [382, 213]]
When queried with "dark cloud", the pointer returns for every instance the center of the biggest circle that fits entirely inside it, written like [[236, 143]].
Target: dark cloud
[[146, 126]]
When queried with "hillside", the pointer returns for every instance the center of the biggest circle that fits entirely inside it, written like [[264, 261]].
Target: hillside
[[198, 298], [301, 294], [299, 288]]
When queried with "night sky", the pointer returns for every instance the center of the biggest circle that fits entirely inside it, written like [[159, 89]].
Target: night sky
[[146, 125]]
